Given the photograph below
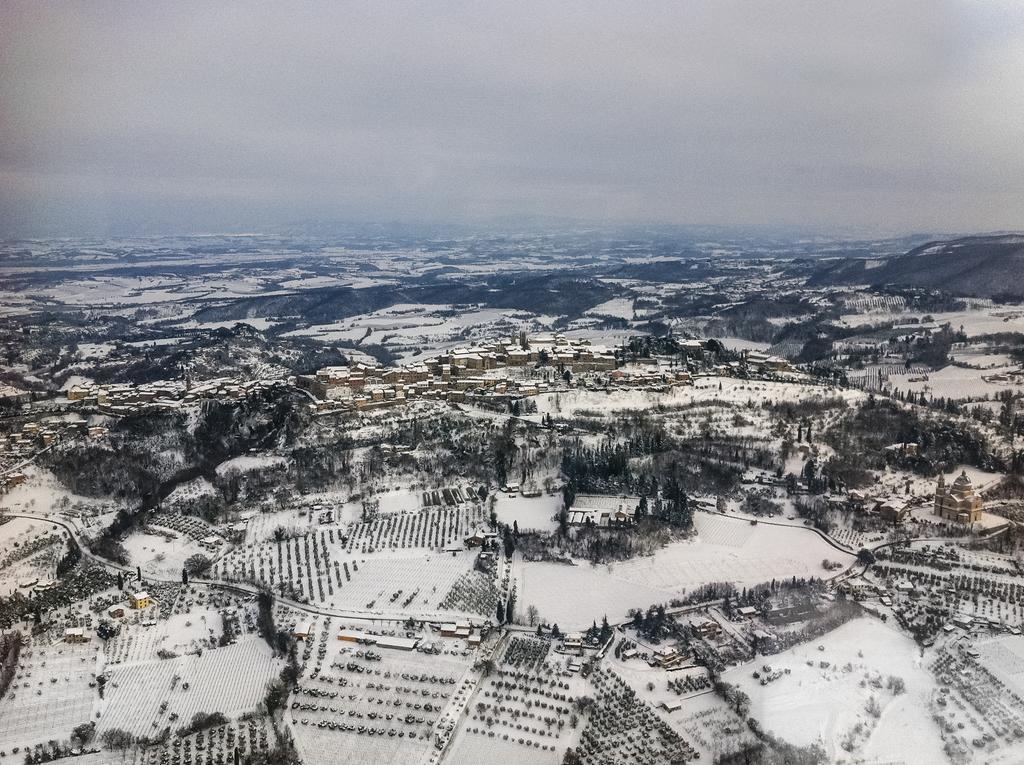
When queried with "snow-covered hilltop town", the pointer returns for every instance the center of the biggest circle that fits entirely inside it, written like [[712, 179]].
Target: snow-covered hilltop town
[[629, 511]]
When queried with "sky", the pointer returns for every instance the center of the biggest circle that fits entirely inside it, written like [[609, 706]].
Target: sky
[[179, 117]]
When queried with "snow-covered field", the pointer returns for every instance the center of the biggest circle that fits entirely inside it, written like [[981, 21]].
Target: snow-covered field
[[161, 556], [50, 694], [538, 513], [619, 307], [827, 704], [1004, 658], [954, 382], [731, 550], [983, 321], [704, 389], [231, 680], [249, 462], [725, 550]]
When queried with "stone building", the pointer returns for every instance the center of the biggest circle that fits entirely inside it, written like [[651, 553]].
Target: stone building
[[959, 501]]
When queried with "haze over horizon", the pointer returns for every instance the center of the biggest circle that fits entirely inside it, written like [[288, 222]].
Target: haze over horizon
[[190, 117]]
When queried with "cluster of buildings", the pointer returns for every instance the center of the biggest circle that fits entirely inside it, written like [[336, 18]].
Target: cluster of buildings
[[32, 436], [957, 502], [498, 372], [462, 630], [140, 600], [362, 387], [763, 362], [603, 510], [456, 376], [126, 398]]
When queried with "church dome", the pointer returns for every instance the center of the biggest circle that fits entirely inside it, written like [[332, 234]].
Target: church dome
[[962, 483]]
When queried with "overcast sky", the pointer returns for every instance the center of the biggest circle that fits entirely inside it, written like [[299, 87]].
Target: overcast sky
[[180, 117]]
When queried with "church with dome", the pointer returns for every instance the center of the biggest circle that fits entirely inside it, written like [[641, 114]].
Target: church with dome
[[959, 501]]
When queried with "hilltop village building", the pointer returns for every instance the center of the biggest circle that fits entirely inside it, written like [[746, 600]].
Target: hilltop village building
[[458, 375], [958, 502], [166, 394]]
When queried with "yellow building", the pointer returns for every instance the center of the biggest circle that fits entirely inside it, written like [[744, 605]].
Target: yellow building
[[141, 600], [958, 502]]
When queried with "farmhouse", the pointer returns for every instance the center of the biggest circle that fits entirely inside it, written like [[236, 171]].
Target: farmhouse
[[768, 363], [603, 510], [456, 629], [75, 635], [573, 642], [708, 628], [747, 612], [380, 641], [668, 658], [479, 538], [141, 600], [211, 542], [891, 510]]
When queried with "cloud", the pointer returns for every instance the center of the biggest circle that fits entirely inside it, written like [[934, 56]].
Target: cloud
[[180, 116]]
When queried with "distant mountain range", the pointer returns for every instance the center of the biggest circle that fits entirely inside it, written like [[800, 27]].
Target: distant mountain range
[[979, 266]]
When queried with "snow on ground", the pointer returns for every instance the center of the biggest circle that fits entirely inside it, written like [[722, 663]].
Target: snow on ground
[[190, 491], [954, 382], [1004, 658], [411, 323], [248, 462], [732, 550], [595, 592], [978, 322], [824, 704], [421, 579], [42, 494], [725, 550], [231, 680], [161, 556], [259, 324], [74, 380], [981, 358], [705, 389], [94, 350], [529, 512], [739, 344], [619, 307], [262, 526], [181, 632], [311, 282], [29, 551], [480, 749], [50, 694], [398, 500]]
